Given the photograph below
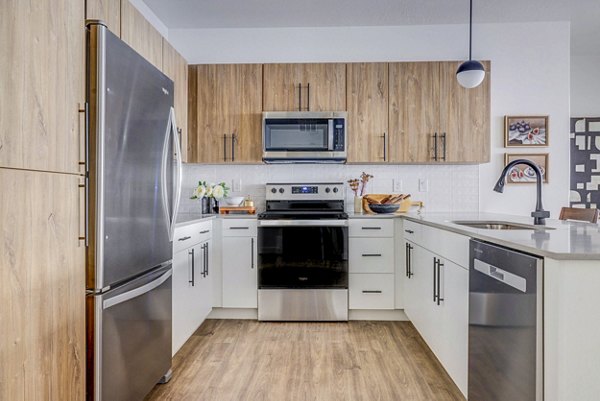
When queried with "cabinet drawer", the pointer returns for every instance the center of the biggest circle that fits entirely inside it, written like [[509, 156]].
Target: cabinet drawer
[[188, 236], [371, 291], [371, 228], [204, 230], [371, 255], [412, 231], [239, 227]]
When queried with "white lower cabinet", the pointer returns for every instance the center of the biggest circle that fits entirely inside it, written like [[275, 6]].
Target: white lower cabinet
[[371, 291], [239, 264], [442, 323], [192, 284]]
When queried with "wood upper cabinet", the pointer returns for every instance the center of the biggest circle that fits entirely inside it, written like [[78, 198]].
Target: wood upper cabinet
[[138, 33], [42, 70], [108, 11], [413, 111], [225, 113], [322, 87], [42, 295], [433, 119], [367, 99], [176, 68], [464, 117]]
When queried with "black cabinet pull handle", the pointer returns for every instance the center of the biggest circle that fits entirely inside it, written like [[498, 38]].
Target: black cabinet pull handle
[[193, 280], [308, 96], [224, 147], [252, 253], [384, 136], [434, 279], [204, 231], [238, 228], [184, 238], [435, 143], [233, 142], [406, 256], [371, 254], [409, 231], [439, 265], [205, 270], [444, 146], [372, 291], [371, 228], [300, 97]]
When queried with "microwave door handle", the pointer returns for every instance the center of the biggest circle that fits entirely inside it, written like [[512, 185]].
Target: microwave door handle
[[330, 134]]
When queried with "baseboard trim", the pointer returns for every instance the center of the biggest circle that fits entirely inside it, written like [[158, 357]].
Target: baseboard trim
[[356, 314]]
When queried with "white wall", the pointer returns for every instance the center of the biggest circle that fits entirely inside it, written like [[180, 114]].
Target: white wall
[[585, 85], [530, 75]]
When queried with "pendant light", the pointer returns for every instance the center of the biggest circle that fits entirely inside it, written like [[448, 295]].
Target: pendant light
[[470, 74]]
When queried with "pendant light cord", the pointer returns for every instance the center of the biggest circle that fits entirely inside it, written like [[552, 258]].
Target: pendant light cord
[[470, 27]]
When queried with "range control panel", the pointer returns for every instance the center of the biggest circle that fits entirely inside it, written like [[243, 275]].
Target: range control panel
[[305, 191]]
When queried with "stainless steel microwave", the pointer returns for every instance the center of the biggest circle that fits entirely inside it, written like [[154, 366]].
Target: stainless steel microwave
[[304, 137]]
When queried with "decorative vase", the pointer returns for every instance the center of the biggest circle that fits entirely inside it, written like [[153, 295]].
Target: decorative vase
[[358, 204], [214, 205], [206, 207]]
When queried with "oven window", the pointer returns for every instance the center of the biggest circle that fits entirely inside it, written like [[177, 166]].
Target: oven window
[[303, 257], [296, 135]]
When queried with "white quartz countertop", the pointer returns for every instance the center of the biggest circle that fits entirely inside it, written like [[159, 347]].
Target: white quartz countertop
[[184, 219], [563, 240]]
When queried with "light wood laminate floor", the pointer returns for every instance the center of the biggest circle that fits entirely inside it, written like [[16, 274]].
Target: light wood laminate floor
[[245, 360]]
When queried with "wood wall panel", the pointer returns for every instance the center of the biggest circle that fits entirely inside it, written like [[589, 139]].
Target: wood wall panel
[[108, 11], [176, 68], [41, 84], [138, 33], [42, 295]]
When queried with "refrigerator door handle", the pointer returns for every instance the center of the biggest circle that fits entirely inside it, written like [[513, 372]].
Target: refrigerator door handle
[[119, 299], [179, 174]]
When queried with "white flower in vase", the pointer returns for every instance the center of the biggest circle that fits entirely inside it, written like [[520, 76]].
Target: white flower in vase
[[218, 192]]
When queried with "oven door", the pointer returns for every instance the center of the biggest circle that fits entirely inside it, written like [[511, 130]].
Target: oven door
[[303, 254]]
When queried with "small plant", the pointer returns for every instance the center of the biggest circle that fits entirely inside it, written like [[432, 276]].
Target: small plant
[[205, 190], [359, 185]]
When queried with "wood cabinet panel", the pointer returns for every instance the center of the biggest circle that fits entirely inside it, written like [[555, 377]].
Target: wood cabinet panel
[[327, 90], [367, 99], [42, 81], [176, 68], [225, 100], [413, 111], [42, 312], [108, 11], [464, 117], [138, 33]]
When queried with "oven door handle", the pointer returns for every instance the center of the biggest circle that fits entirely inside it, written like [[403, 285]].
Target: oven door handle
[[303, 223]]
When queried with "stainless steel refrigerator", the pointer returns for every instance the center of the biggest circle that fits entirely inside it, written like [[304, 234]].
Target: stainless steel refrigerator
[[133, 185]]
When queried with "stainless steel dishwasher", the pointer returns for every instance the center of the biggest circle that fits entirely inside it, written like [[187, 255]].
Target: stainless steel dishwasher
[[505, 324]]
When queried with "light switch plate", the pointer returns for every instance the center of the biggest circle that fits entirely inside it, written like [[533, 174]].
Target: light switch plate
[[396, 185], [236, 185], [423, 185]]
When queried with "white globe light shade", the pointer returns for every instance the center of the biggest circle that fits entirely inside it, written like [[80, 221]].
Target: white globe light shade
[[470, 74]]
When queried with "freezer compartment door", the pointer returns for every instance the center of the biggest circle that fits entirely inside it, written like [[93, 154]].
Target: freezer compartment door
[[133, 337]]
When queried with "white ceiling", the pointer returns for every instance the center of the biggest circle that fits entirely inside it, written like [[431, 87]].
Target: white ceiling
[[583, 14]]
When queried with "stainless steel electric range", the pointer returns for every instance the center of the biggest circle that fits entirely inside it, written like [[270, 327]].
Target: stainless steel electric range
[[303, 253]]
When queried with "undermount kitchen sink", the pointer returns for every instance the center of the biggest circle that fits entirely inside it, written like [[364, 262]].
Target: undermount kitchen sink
[[499, 225]]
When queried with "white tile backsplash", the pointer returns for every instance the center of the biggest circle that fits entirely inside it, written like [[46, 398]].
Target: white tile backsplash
[[451, 187]]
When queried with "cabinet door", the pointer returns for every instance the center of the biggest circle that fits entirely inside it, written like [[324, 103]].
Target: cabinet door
[[203, 289], [108, 11], [413, 111], [240, 285], [327, 91], [367, 99], [421, 294], [455, 322], [182, 298], [42, 71], [224, 100], [42, 291], [175, 67], [138, 33], [464, 117]]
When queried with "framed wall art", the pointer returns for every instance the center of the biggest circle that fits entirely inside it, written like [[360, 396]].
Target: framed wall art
[[525, 131], [523, 174]]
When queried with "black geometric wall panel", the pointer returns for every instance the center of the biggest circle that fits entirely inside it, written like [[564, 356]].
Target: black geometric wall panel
[[585, 162]]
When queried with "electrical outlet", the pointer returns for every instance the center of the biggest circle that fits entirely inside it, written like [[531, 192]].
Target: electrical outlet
[[236, 185], [423, 185], [396, 185]]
